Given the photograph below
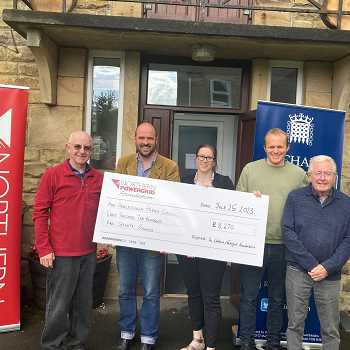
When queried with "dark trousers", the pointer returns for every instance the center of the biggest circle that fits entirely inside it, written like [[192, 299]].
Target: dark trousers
[[68, 290], [203, 279], [251, 277]]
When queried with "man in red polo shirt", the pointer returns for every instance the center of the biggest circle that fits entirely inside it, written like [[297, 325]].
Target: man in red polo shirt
[[68, 196]]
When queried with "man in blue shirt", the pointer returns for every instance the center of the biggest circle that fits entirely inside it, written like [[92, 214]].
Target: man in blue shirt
[[145, 163], [316, 232]]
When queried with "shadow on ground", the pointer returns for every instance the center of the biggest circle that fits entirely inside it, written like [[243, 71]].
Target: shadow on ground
[[174, 330]]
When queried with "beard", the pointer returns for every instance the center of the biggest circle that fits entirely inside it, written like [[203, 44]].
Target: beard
[[146, 153]]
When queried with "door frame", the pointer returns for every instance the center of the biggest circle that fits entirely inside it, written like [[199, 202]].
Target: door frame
[[226, 151]]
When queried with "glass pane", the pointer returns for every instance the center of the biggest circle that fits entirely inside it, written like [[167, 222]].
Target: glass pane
[[180, 85], [190, 137], [104, 118], [284, 85], [221, 86]]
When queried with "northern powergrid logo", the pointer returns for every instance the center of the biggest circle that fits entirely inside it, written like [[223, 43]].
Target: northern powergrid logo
[[5, 129]]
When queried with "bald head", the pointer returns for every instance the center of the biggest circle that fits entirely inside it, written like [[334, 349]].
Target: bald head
[[78, 135], [146, 127]]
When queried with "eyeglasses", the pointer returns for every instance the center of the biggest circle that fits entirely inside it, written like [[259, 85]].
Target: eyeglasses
[[319, 174], [208, 159], [77, 147]]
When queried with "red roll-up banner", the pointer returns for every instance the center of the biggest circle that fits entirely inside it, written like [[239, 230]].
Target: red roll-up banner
[[13, 118]]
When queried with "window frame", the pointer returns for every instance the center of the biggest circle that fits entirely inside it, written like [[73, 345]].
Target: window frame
[[213, 92], [88, 110], [299, 65]]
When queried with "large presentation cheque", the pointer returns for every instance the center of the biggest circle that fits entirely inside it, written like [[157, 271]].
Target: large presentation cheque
[[181, 218]]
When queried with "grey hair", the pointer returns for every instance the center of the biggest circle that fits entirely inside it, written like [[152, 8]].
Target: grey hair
[[322, 158]]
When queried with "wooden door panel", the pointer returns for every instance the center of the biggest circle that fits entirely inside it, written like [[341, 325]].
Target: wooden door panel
[[161, 119], [245, 148], [184, 13], [217, 15]]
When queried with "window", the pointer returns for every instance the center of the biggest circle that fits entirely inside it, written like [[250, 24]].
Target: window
[[104, 108], [285, 82], [220, 93], [194, 86]]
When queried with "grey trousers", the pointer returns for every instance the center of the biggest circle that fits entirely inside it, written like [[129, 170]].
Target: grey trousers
[[298, 290], [68, 290]]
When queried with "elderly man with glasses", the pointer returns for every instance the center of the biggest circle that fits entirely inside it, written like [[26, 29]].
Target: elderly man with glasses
[[316, 232], [68, 196]]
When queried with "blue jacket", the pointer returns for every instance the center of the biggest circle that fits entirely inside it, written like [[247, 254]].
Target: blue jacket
[[316, 234]]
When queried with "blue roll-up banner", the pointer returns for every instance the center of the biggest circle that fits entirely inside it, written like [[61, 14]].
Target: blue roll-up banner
[[312, 131]]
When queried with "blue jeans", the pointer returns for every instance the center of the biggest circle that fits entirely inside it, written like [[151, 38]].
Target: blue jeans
[[274, 260], [129, 261], [68, 290], [298, 288]]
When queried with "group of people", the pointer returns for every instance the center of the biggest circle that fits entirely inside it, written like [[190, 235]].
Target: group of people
[[307, 243]]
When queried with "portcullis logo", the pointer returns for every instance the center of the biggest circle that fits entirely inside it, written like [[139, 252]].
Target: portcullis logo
[[5, 129], [134, 186]]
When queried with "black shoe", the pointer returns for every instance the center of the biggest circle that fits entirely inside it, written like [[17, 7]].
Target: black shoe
[[124, 344], [147, 346], [248, 346]]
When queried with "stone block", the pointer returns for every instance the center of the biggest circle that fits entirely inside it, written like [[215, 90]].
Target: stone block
[[30, 185], [318, 77], [318, 99], [19, 40], [25, 250], [6, 37], [273, 3], [34, 96], [2, 53], [70, 91], [80, 4], [131, 97], [52, 155], [301, 3], [24, 54], [83, 11], [27, 218], [272, 18], [27, 234], [8, 67], [346, 148], [51, 126], [344, 301], [345, 172], [302, 24], [346, 268], [31, 82], [260, 69], [35, 169], [319, 25], [31, 155], [30, 69], [29, 198], [72, 62], [103, 12], [96, 4], [305, 17], [127, 9], [345, 284]]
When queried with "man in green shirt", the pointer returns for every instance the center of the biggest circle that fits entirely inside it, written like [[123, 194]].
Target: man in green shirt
[[275, 177]]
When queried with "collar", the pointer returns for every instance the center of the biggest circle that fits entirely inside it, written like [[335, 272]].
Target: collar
[[87, 168], [333, 194], [153, 161]]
